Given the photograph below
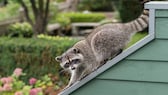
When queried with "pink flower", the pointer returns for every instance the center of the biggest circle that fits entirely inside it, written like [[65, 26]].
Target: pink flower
[[39, 89], [9, 80], [17, 72], [35, 91], [3, 80], [18, 93], [6, 80], [7, 87], [32, 81]]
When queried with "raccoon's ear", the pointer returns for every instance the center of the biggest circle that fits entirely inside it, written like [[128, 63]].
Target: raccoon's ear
[[58, 58], [75, 50]]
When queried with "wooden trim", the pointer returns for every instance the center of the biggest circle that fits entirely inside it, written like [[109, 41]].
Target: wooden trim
[[118, 58], [152, 22]]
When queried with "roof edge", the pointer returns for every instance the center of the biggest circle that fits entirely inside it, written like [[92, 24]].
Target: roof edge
[[157, 5]]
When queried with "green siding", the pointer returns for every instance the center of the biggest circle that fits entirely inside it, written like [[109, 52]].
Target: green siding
[[149, 71], [161, 13], [155, 50], [112, 87], [162, 28]]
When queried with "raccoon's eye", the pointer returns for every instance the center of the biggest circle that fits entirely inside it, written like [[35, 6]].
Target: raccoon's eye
[[76, 50], [75, 61]]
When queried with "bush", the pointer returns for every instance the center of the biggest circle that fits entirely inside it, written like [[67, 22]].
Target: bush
[[96, 5], [36, 56], [80, 17], [20, 30], [63, 20], [129, 9]]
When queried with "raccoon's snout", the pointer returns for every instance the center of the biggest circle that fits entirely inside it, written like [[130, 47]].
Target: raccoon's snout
[[67, 65], [71, 64]]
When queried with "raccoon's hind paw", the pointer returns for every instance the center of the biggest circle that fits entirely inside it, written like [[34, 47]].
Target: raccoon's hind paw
[[120, 51], [83, 77]]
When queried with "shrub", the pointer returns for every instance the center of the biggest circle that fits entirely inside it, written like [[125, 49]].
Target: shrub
[[96, 5], [36, 56], [82, 17], [63, 20], [20, 30], [129, 9]]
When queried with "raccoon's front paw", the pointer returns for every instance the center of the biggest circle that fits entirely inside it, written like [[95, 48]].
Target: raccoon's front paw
[[82, 77]]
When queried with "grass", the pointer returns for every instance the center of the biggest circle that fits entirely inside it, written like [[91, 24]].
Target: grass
[[136, 38]]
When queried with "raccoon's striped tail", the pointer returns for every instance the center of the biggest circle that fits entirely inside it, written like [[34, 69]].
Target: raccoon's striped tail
[[141, 22]]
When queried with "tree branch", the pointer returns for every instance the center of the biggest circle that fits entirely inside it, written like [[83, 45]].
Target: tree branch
[[26, 12], [34, 8]]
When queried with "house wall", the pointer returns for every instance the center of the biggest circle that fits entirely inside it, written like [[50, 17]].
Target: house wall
[[142, 73]]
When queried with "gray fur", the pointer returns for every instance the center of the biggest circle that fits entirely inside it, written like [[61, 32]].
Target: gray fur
[[104, 42]]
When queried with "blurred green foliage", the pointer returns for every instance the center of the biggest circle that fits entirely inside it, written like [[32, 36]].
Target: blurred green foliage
[[85, 17], [63, 20], [60, 0], [36, 56], [10, 10], [20, 30], [129, 9], [66, 18], [96, 5]]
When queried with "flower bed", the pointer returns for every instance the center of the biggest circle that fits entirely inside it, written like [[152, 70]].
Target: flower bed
[[13, 85]]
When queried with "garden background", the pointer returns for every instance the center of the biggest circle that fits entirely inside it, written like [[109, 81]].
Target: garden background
[[34, 32]]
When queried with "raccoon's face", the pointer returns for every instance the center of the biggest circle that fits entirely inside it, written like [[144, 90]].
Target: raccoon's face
[[71, 59]]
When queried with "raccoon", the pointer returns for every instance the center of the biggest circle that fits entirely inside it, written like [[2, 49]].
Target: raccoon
[[106, 41], [78, 61]]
